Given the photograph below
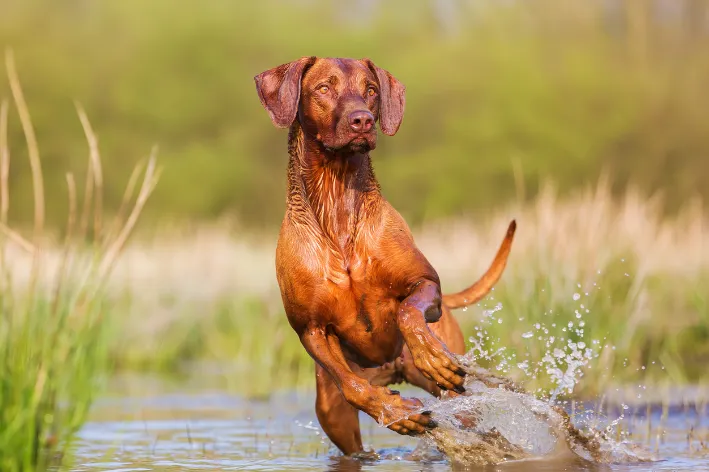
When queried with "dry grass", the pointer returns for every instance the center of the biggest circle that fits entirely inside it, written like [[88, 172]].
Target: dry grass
[[571, 239]]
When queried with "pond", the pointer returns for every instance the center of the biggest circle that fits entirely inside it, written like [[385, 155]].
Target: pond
[[153, 425]]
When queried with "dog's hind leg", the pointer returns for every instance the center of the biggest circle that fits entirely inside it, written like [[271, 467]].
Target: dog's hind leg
[[338, 419]]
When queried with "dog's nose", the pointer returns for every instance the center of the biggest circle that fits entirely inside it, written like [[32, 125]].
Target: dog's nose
[[361, 121]]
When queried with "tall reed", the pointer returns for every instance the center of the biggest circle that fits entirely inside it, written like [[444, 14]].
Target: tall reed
[[52, 329]]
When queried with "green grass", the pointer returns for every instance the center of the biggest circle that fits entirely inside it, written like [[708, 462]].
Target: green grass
[[645, 329], [245, 337], [53, 337]]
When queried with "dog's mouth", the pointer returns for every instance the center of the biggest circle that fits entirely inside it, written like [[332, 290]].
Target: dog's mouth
[[352, 142], [362, 141], [360, 144], [359, 141]]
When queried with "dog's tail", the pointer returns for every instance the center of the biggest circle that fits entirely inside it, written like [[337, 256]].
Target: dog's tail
[[481, 288]]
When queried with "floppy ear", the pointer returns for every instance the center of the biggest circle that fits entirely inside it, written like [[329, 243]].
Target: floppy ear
[[279, 90], [391, 99]]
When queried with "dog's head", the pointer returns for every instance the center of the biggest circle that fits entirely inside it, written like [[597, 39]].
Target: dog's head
[[336, 101]]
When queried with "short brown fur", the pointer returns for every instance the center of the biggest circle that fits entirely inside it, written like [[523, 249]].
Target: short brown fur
[[355, 287]]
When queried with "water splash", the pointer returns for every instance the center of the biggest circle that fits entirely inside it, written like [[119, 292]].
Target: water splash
[[497, 420], [491, 425]]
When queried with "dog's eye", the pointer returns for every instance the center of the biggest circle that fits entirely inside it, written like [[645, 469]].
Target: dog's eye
[[323, 89], [371, 91]]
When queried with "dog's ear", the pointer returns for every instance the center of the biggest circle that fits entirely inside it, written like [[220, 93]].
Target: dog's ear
[[392, 98], [279, 90]]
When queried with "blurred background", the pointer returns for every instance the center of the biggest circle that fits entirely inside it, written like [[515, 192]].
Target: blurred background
[[501, 96]]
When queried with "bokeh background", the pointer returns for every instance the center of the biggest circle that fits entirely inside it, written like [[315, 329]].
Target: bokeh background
[[501, 97]]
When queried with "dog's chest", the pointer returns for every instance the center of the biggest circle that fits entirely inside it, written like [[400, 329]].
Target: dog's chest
[[367, 305], [367, 326], [351, 293]]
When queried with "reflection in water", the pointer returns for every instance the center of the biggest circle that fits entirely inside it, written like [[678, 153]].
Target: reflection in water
[[345, 464]]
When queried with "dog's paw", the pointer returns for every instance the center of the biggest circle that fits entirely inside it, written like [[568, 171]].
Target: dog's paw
[[402, 415], [436, 363]]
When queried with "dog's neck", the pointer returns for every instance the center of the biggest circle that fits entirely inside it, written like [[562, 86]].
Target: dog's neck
[[335, 190]]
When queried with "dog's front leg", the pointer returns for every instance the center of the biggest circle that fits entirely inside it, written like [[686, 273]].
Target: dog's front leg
[[382, 404], [429, 354]]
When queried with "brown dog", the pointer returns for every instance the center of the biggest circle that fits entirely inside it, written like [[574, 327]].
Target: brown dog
[[355, 288]]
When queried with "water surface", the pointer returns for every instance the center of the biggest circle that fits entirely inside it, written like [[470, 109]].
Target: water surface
[[197, 428]]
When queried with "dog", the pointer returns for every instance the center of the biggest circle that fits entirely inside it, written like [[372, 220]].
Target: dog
[[364, 301]]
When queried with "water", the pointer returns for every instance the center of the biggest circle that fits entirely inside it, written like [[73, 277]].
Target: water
[[157, 426], [493, 425]]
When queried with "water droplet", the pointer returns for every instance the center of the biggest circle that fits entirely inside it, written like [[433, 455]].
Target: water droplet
[[527, 335], [577, 296]]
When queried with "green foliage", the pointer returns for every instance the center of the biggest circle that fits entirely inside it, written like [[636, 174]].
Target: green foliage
[[531, 88], [52, 361], [245, 336]]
